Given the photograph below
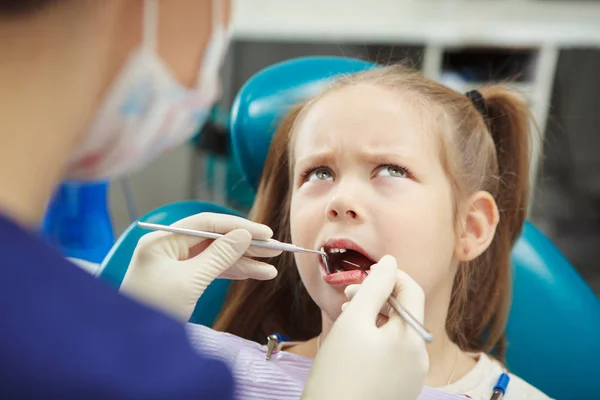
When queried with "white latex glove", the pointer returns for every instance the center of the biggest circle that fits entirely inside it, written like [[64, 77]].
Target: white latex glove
[[361, 360], [170, 271]]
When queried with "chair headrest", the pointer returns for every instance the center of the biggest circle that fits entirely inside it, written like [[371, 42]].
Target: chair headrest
[[266, 97]]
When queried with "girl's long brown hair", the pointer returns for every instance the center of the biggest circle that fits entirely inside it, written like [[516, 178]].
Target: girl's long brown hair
[[489, 151]]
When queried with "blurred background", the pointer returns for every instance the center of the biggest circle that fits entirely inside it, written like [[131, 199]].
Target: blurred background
[[549, 50]]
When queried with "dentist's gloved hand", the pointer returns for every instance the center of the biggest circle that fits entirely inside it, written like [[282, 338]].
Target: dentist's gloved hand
[[361, 359], [170, 271]]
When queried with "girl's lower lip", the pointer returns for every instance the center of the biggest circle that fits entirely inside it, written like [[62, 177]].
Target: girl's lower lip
[[343, 278]]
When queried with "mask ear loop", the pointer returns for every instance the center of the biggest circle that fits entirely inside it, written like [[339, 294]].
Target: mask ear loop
[[218, 35], [150, 25]]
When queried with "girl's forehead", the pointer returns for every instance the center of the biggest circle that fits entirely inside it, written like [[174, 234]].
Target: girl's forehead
[[362, 115]]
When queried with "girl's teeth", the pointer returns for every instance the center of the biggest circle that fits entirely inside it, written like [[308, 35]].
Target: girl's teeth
[[337, 250]]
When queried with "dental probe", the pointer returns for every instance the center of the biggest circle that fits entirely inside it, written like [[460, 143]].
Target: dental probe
[[265, 244]]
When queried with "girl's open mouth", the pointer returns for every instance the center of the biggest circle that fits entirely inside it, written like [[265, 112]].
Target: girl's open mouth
[[342, 273]]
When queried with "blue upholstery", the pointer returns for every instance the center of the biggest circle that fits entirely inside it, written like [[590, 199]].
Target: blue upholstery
[[554, 324], [116, 262]]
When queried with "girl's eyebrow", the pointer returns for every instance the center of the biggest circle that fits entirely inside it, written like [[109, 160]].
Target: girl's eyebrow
[[371, 156], [377, 156], [316, 158]]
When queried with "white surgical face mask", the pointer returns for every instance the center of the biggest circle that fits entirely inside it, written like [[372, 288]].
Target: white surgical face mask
[[147, 111]]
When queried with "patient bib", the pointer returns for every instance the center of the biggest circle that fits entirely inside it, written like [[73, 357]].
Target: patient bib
[[281, 378]]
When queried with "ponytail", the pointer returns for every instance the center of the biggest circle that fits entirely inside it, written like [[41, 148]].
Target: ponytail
[[509, 120], [481, 300]]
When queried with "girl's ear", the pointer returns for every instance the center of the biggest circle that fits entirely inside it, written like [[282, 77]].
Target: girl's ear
[[478, 226]]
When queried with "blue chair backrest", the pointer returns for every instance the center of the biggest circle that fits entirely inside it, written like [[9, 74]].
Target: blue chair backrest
[[553, 329], [554, 325]]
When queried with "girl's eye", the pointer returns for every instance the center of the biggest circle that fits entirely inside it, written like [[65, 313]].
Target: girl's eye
[[319, 174], [393, 171]]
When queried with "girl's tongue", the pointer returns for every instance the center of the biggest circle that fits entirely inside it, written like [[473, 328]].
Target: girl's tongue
[[336, 261]]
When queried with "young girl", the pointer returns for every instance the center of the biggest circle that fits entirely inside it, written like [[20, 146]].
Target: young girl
[[388, 162]]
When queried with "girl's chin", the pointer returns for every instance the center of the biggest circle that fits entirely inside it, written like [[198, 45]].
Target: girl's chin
[[331, 310]]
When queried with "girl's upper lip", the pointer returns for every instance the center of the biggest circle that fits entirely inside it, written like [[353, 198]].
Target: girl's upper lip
[[344, 243]]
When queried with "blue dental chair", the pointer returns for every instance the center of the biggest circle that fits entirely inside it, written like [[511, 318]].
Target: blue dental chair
[[554, 325]]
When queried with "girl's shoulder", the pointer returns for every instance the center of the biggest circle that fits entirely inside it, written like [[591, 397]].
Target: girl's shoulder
[[479, 383]]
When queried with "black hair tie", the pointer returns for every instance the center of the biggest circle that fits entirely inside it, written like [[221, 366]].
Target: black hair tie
[[478, 101]]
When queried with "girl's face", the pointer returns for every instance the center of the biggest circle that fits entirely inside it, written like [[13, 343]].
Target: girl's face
[[368, 178]]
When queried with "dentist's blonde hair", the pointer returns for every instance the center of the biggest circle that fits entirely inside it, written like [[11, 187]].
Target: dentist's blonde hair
[[490, 153]]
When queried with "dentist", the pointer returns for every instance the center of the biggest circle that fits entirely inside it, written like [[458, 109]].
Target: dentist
[[94, 89]]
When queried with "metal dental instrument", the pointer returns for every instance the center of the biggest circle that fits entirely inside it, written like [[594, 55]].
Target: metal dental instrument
[[265, 244], [325, 263], [272, 342], [392, 301]]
